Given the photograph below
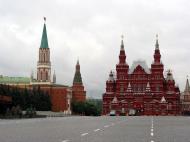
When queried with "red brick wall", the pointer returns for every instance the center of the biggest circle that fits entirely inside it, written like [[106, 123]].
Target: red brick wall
[[78, 93], [59, 99]]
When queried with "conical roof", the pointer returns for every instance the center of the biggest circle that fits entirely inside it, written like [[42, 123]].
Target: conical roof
[[187, 88], [44, 40], [77, 77]]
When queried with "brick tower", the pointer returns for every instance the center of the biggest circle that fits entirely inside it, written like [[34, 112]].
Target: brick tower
[[44, 64], [78, 92]]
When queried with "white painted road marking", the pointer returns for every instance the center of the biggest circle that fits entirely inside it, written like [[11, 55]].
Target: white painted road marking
[[84, 134], [96, 130], [65, 141], [106, 126], [152, 129]]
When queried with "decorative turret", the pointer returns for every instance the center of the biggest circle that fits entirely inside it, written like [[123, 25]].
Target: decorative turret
[[148, 87], [110, 83], [122, 68], [157, 55], [44, 64], [170, 81], [129, 88], [187, 88], [111, 76], [169, 76], [77, 77], [157, 67]]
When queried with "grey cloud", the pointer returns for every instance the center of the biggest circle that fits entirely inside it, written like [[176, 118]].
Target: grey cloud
[[91, 30]]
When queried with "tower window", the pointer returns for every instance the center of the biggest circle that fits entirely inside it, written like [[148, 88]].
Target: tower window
[[46, 75], [44, 57], [41, 75]]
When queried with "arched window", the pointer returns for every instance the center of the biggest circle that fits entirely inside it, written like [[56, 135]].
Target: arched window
[[157, 88], [46, 75], [41, 75], [121, 89], [169, 106], [135, 87], [44, 57]]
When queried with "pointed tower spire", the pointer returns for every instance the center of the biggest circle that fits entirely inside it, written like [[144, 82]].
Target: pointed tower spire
[[122, 44], [157, 44], [187, 88], [77, 77], [44, 40], [157, 54], [122, 56]]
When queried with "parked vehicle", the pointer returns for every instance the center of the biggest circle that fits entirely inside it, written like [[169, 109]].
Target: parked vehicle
[[112, 113], [132, 112]]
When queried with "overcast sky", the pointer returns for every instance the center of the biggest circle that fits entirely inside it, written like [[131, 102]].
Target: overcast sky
[[91, 30]]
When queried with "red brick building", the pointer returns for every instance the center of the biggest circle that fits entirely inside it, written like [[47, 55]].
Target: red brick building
[[141, 90]]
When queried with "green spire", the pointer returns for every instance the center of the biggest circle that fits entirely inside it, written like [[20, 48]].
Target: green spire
[[77, 77], [44, 40]]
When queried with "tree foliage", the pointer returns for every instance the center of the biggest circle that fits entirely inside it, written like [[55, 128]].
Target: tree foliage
[[26, 98], [85, 108]]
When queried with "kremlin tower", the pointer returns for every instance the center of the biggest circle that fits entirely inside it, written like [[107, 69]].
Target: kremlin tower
[[78, 92], [44, 64]]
